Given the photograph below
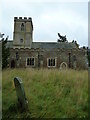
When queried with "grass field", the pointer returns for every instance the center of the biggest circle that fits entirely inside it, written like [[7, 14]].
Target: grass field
[[50, 93]]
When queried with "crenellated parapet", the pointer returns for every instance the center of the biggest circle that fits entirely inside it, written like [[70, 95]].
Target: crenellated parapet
[[23, 32], [22, 19]]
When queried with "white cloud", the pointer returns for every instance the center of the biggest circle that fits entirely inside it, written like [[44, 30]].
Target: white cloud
[[41, 1], [64, 21], [48, 19]]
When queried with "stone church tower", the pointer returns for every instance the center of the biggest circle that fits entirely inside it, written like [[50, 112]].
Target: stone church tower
[[23, 32], [26, 53]]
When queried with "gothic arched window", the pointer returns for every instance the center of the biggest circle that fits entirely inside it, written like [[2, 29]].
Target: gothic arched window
[[31, 61], [22, 27], [21, 40], [51, 62]]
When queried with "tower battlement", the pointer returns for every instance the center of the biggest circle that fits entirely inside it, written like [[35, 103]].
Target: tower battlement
[[23, 32], [22, 19]]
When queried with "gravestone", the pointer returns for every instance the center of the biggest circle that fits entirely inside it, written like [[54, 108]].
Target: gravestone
[[22, 100]]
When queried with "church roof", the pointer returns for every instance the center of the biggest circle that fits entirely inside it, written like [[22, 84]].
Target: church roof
[[48, 45], [53, 45]]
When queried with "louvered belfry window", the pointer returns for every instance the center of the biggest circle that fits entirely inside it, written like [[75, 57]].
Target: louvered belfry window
[[22, 27]]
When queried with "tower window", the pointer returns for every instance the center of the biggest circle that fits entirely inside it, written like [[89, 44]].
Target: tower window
[[22, 27], [21, 40]]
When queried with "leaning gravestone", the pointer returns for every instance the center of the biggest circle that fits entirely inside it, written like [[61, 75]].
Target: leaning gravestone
[[20, 94]]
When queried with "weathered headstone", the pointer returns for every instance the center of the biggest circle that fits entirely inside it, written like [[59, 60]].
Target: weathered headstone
[[20, 94]]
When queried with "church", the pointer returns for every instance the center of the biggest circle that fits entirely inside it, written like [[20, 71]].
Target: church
[[24, 53]]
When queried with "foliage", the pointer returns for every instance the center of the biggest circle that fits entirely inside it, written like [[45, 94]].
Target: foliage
[[5, 53], [50, 93], [76, 43]]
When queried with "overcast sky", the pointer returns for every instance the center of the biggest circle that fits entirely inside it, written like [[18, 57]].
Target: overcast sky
[[49, 18]]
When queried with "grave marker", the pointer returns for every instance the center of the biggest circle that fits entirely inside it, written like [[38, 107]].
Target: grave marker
[[22, 100]]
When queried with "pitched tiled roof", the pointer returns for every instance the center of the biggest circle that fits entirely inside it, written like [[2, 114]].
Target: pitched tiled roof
[[53, 45], [48, 45]]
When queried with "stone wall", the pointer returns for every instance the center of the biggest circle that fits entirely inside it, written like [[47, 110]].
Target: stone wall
[[77, 58]]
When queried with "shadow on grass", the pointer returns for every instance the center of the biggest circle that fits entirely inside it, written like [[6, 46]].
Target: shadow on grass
[[14, 112]]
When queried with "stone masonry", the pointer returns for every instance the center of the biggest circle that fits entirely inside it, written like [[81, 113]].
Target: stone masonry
[[26, 53]]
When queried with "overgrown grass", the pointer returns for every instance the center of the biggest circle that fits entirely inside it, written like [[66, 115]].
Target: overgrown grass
[[50, 93]]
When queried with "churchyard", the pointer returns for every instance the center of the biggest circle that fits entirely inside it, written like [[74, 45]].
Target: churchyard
[[50, 93]]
